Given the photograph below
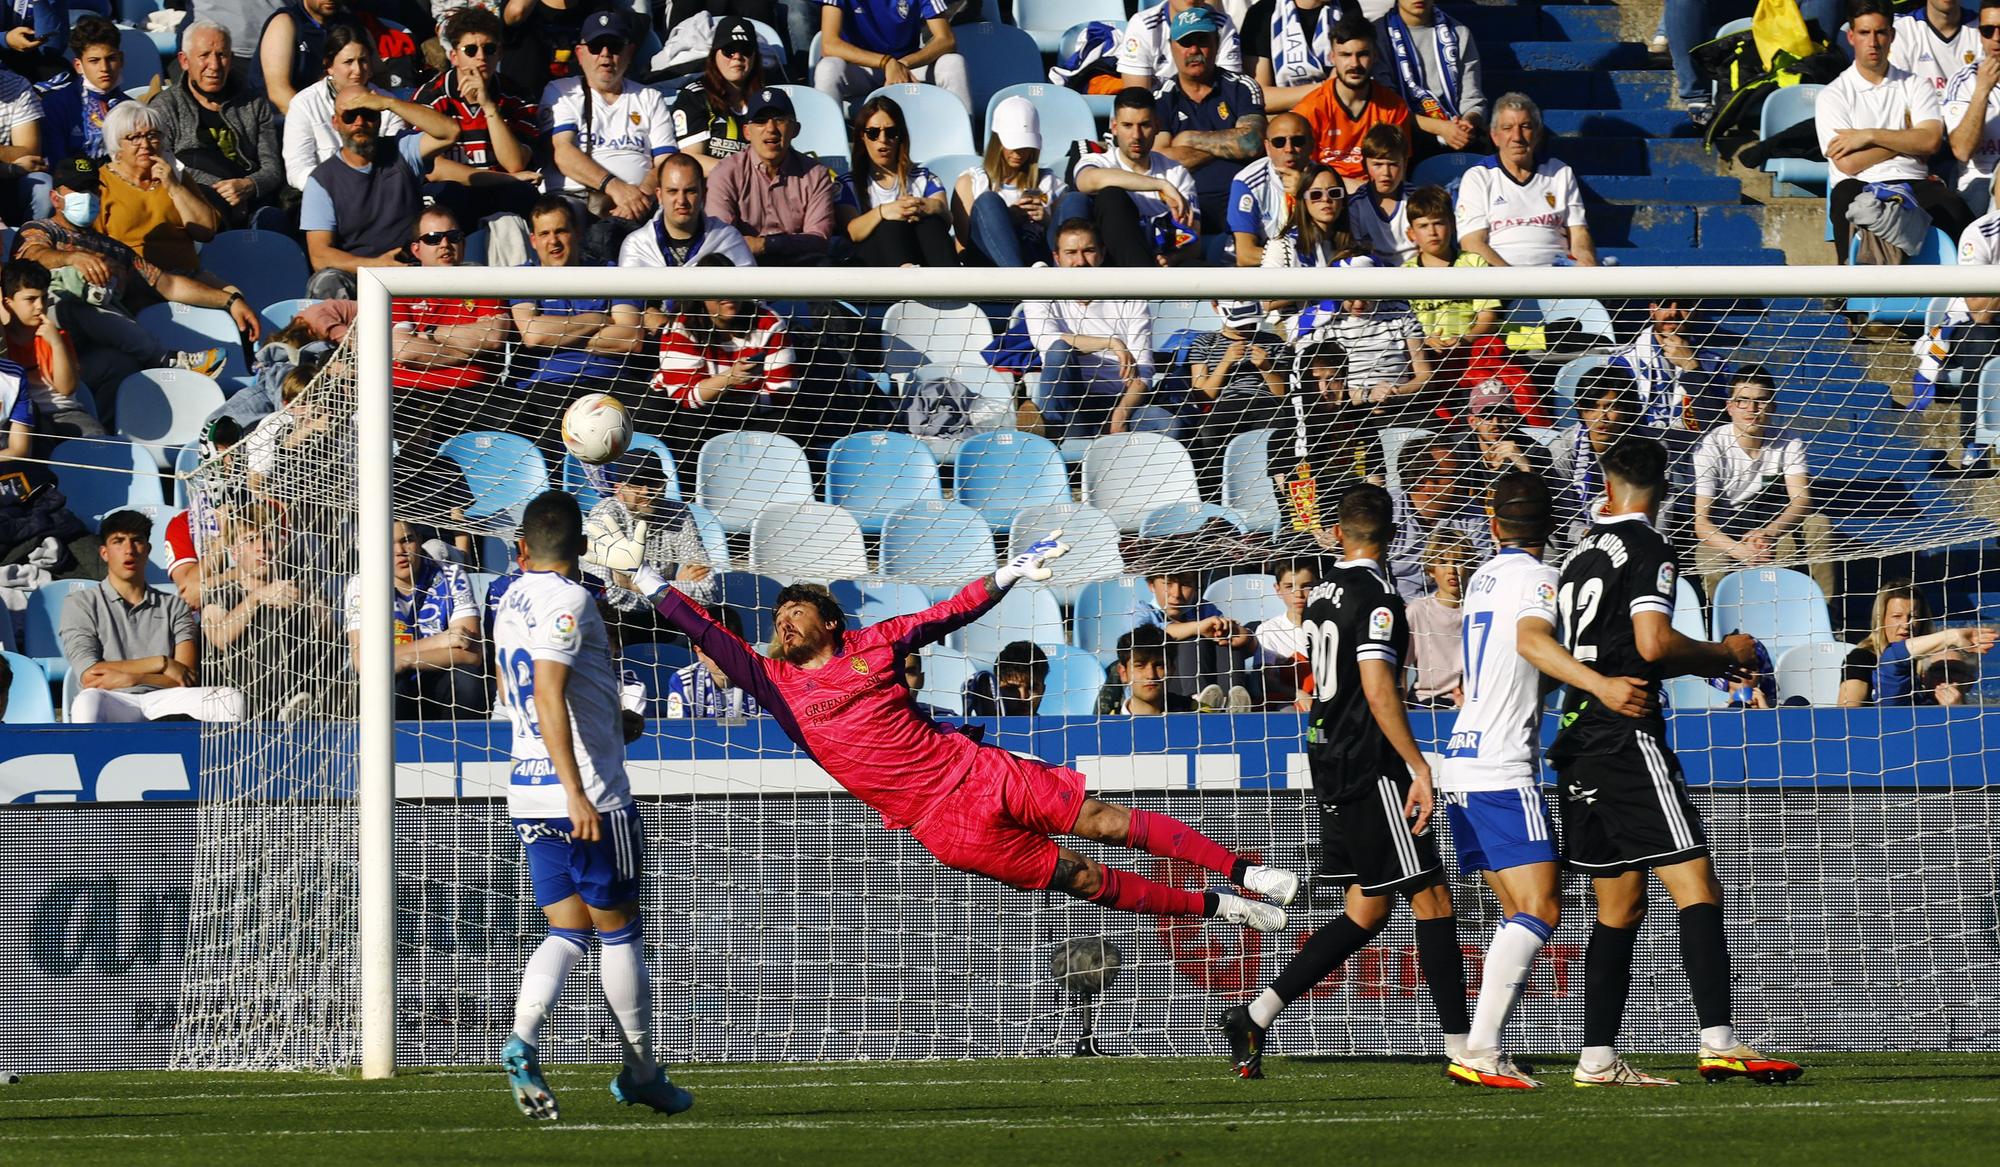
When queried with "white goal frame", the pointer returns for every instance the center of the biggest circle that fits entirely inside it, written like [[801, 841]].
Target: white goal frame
[[372, 332]]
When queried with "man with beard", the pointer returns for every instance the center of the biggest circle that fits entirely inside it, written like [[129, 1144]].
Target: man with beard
[[354, 218]]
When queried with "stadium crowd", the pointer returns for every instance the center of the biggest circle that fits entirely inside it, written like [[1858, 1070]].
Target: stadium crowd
[[1281, 134]]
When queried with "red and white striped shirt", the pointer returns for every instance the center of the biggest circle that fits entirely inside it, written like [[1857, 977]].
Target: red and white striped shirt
[[685, 362]]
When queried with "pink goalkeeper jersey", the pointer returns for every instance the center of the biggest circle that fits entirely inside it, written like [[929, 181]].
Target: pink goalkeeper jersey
[[853, 714]]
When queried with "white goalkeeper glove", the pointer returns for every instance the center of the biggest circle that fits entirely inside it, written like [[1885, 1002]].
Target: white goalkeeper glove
[[1033, 563], [649, 583]]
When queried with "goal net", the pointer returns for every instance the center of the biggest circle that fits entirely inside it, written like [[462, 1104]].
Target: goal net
[[896, 434]]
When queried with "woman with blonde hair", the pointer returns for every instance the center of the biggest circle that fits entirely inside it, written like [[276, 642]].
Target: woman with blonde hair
[[1004, 209], [1883, 668]]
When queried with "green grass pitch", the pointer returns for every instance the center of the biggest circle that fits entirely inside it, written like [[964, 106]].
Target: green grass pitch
[[1850, 1108]]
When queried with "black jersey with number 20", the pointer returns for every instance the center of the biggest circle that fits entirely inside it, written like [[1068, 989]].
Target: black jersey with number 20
[[1621, 568], [1353, 615]]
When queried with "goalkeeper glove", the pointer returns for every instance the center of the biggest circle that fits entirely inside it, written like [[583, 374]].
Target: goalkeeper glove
[[1032, 563], [648, 582]]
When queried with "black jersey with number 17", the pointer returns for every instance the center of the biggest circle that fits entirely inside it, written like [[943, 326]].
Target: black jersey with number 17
[[1622, 568], [1353, 615]]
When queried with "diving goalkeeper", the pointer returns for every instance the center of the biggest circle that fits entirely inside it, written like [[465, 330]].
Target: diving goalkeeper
[[839, 694]]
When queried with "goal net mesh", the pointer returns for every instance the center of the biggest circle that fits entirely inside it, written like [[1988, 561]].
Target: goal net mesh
[[897, 449]]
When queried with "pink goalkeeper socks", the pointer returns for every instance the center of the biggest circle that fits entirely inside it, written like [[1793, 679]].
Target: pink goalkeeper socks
[[1170, 838], [1135, 893]]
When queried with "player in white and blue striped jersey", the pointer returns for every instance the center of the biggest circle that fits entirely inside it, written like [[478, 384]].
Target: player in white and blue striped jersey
[[1490, 782], [572, 806]]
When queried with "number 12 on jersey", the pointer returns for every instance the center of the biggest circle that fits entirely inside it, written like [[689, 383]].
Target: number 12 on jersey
[[1578, 605]]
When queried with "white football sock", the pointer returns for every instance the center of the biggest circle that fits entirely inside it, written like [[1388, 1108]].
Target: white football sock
[[1596, 1057], [1455, 1045], [542, 981], [1720, 1038], [630, 995], [1266, 1007], [1507, 964]]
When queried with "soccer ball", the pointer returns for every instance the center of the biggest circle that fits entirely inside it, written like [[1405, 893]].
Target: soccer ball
[[596, 428]]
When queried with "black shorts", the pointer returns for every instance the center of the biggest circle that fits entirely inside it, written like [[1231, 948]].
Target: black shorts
[[1365, 841], [1628, 811]]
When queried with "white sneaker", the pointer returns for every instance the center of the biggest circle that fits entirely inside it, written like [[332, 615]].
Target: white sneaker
[[1658, 46], [1255, 915], [1240, 700], [1210, 699], [1273, 883], [1619, 1073]]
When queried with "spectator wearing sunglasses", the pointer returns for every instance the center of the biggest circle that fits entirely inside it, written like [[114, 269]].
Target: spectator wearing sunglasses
[[491, 169], [1210, 121], [443, 342], [866, 44], [310, 135], [1262, 193], [608, 133], [1972, 114], [903, 223], [361, 204]]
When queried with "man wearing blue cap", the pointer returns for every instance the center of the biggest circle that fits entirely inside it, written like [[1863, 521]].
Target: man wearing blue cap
[[607, 132], [1210, 120], [1145, 55], [871, 43]]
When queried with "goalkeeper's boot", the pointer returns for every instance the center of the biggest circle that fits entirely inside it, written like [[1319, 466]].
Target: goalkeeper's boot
[[1744, 1062], [660, 1094], [1273, 883], [1489, 1067], [1246, 1042], [1253, 914], [1619, 1073], [524, 1075]]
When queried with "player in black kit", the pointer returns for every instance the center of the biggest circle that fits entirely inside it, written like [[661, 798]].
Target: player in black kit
[[1625, 806], [1373, 786]]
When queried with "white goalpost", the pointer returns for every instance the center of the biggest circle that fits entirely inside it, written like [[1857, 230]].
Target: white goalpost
[[802, 929]]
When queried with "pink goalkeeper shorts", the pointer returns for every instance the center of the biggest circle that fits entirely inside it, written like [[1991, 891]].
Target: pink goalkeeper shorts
[[998, 821]]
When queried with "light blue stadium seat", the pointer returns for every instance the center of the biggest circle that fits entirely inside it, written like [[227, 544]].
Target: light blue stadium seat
[[996, 56], [1777, 605], [822, 127], [1246, 479], [938, 123], [1689, 619], [40, 622], [946, 670], [1048, 20], [1783, 109], [877, 473], [940, 545], [1064, 113], [947, 168], [279, 316], [653, 664], [1445, 170], [1075, 679], [736, 474], [1568, 380], [1987, 423], [755, 598], [1394, 440], [183, 328], [28, 701], [142, 58], [1812, 671], [504, 472], [1098, 103], [1590, 317], [1903, 311], [1127, 476], [1106, 610], [1026, 612], [101, 475], [162, 410], [1174, 317], [1246, 599], [1093, 544], [880, 599], [807, 541], [998, 474], [267, 267], [918, 334], [577, 482], [714, 538], [1187, 518], [1693, 694]]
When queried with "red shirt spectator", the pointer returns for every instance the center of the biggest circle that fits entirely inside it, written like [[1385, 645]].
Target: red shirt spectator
[[424, 316], [705, 353], [1339, 133]]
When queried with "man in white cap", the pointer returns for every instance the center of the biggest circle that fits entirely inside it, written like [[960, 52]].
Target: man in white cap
[[866, 44]]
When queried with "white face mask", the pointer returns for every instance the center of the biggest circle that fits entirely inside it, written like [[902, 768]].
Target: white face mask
[[80, 208]]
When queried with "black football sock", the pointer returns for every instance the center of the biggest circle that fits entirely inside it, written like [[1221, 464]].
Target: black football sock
[[1607, 978], [1443, 964], [1322, 952], [1705, 956]]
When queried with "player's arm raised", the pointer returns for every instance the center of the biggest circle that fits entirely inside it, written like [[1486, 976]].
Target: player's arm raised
[[552, 712], [1536, 638], [744, 664], [1381, 683]]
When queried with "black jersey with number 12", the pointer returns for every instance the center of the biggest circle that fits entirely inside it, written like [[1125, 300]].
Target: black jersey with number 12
[[1353, 615], [1621, 568]]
